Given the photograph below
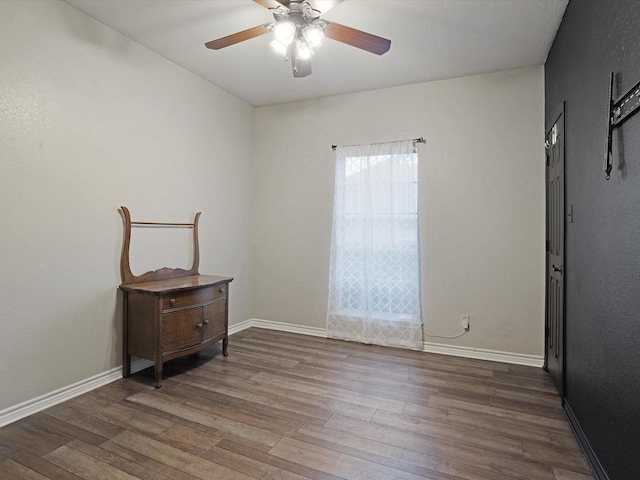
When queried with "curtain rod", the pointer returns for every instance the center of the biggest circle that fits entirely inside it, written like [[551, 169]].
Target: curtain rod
[[414, 140]]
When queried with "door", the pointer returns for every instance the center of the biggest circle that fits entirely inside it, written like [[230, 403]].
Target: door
[[555, 271], [181, 329], [214, 318]]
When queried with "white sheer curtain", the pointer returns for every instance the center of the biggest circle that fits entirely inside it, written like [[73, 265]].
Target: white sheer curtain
[[374, 283]]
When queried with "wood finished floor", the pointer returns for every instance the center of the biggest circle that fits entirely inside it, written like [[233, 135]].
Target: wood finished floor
[[285, 406]]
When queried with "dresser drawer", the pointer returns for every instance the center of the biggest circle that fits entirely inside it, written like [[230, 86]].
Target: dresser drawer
[[220, 291], [187, 299]]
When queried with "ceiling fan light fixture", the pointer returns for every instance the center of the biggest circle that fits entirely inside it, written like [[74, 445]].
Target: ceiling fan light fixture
[[303, 51], [279, 48], [307, 11], [284, 32], [299, 31], [313, 35]]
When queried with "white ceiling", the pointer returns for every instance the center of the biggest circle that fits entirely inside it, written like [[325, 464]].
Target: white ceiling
[[430, 40]]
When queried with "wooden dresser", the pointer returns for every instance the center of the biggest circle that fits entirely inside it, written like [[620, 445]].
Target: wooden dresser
[[171, 312]]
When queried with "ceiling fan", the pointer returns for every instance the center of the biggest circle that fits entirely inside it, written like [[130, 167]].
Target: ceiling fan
[[299, 31]]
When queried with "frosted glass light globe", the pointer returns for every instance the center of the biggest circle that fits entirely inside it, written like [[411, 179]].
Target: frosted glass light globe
[[314, 36], [284, 32]]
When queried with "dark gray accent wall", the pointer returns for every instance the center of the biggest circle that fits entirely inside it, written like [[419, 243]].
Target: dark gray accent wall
[[603, 243]]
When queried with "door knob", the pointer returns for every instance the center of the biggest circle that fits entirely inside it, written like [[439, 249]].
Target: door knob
[[557, 269]]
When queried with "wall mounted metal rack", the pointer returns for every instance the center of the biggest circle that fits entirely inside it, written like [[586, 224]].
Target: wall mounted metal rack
[[619, 111]]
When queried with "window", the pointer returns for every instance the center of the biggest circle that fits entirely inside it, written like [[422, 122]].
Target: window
[[374, 289]]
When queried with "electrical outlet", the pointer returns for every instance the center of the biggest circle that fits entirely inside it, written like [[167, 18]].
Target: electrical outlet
[[464, 321]]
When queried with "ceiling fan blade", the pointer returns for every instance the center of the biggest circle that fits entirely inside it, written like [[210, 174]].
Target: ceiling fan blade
[[234, 38], [324, 5], [357, 38]]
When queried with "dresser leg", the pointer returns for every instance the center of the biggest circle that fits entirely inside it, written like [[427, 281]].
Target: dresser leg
[[158, 371], [126, 365], [225, 345], [126, 358]]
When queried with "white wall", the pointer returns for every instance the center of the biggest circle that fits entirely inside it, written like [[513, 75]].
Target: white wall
[[89, 121], [481, 201]]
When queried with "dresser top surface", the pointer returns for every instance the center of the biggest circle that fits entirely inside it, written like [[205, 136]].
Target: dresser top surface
[[174, 284]]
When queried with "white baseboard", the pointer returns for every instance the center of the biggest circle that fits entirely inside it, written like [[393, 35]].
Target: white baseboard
[[288, 327], [240, 326], [482, 354], [140, 364], [43, 402], [24, 409], [452, 350]]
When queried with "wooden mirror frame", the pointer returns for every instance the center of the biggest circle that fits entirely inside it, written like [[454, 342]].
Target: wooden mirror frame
[[163, 273]]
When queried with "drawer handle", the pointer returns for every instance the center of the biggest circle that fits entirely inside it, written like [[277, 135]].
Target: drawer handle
[[221, 289], [199, 325], [206, 322], [172, 301]]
